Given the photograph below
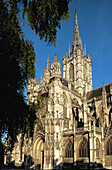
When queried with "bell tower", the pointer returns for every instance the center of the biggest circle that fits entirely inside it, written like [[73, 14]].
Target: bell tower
[[76, 65]]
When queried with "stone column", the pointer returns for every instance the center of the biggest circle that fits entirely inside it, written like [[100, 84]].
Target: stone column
[[45, 162], [103, 148], [46, 143], [41, 159], [85, 112], [75, 149], [94, 142], [90, 142], [64, 67], [50, 161], [61, 143]]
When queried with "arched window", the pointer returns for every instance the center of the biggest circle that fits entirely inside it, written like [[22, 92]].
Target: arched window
[[97, 147], [83, 148], [109, 146], [69, 150], [71, 72]]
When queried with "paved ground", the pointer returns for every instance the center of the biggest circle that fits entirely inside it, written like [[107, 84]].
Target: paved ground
[[75, 168], [2, 168], [10, 168]]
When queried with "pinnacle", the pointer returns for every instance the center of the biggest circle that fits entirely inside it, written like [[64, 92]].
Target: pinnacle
[[55, 57], [48, 62]]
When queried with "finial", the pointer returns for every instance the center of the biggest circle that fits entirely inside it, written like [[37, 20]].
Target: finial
[[38, 82], [88, 55], [55, 57], [103, 87], [63, 58], [48, 62], [85, 48], [103, 90], [69, 50]]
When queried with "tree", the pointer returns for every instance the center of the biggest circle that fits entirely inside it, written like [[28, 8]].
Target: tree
[[17, 65], [17, 57]]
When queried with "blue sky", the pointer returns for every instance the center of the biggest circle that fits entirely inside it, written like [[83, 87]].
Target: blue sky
[[95, 27]]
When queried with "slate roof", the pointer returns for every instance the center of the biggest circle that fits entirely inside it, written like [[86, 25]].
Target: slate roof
[[98, 92]]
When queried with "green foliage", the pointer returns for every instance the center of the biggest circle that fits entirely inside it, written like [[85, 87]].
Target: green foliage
[[47, 17], [17, 65], [17, 58], [40, 104], [43, 16]]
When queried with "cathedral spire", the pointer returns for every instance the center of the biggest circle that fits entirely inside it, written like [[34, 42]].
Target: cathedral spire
[[77, 42], [76, 26]]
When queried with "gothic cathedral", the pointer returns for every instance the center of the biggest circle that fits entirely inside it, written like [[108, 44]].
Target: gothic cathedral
[[75, 123]]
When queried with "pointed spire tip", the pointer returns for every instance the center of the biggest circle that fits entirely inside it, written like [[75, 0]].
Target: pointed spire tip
[[55, 57]]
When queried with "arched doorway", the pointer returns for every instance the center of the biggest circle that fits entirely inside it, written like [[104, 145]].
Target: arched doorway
[[38, 151]]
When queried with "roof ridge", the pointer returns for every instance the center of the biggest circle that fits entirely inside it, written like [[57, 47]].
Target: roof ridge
[[100, 87]]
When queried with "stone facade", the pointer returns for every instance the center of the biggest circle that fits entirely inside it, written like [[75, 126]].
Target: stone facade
[[75, 124]]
